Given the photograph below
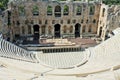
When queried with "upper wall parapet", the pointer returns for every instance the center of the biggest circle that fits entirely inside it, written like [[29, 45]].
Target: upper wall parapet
[[59, 1]]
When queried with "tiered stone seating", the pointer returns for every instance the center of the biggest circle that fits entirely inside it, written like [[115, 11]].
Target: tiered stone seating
[[10, 50], [62, 60], [103, 62], [109, 46], [117, 74], [102, 58]]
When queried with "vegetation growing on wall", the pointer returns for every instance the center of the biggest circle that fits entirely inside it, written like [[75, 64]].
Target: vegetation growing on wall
[[112, 2], [3, 4]]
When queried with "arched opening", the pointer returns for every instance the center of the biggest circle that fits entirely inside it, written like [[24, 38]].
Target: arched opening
[[23, 30], [35, 10], [90, 29], [21, 10], [49, 10], [71, 29], [36, 32], [91, 10], [65, 29], [100, 31], [57, 11], [49, 30], [43, 28], [29, 29], [57, 30], [79, 10], [77, 30], [83, 29], [66, 10], [103, 12]]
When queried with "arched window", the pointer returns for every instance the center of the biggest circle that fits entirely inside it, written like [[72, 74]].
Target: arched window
[[83, 29], [68, 21], [26, 21], [21, 10], [43, 30], [18, 23], [32, 22], [61, 21], [82, 21], [35, 10], [90, 29], [79, 10], [66, 10], [103, 12], [23, 31], [65, 29], [94, 21], [49, 10], [91, 10], [87, 21], [29, 29], [49, 30], [40, 22], [71, 29], [57, 11]]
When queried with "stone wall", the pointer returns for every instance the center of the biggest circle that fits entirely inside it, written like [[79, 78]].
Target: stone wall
[[81, 22], [113, 20]]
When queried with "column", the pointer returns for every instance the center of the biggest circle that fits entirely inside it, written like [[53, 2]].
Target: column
[[81, 32], [32, 30]]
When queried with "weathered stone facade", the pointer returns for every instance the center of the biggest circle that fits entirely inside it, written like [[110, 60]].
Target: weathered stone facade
[[113, 19], [3, 25], [57, 18]]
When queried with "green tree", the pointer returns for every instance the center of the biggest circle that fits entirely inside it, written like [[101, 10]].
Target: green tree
[[112, 2]]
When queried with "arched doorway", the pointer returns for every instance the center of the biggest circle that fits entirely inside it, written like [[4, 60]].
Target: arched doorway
[[36, 32], [77, 30], [57, 30]]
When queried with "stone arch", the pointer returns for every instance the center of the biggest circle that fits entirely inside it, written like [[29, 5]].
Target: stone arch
[[77, 30], [57, 30], [57, 11]]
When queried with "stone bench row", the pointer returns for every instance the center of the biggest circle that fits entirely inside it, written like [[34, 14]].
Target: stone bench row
[[109, 46], [10, 50]]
